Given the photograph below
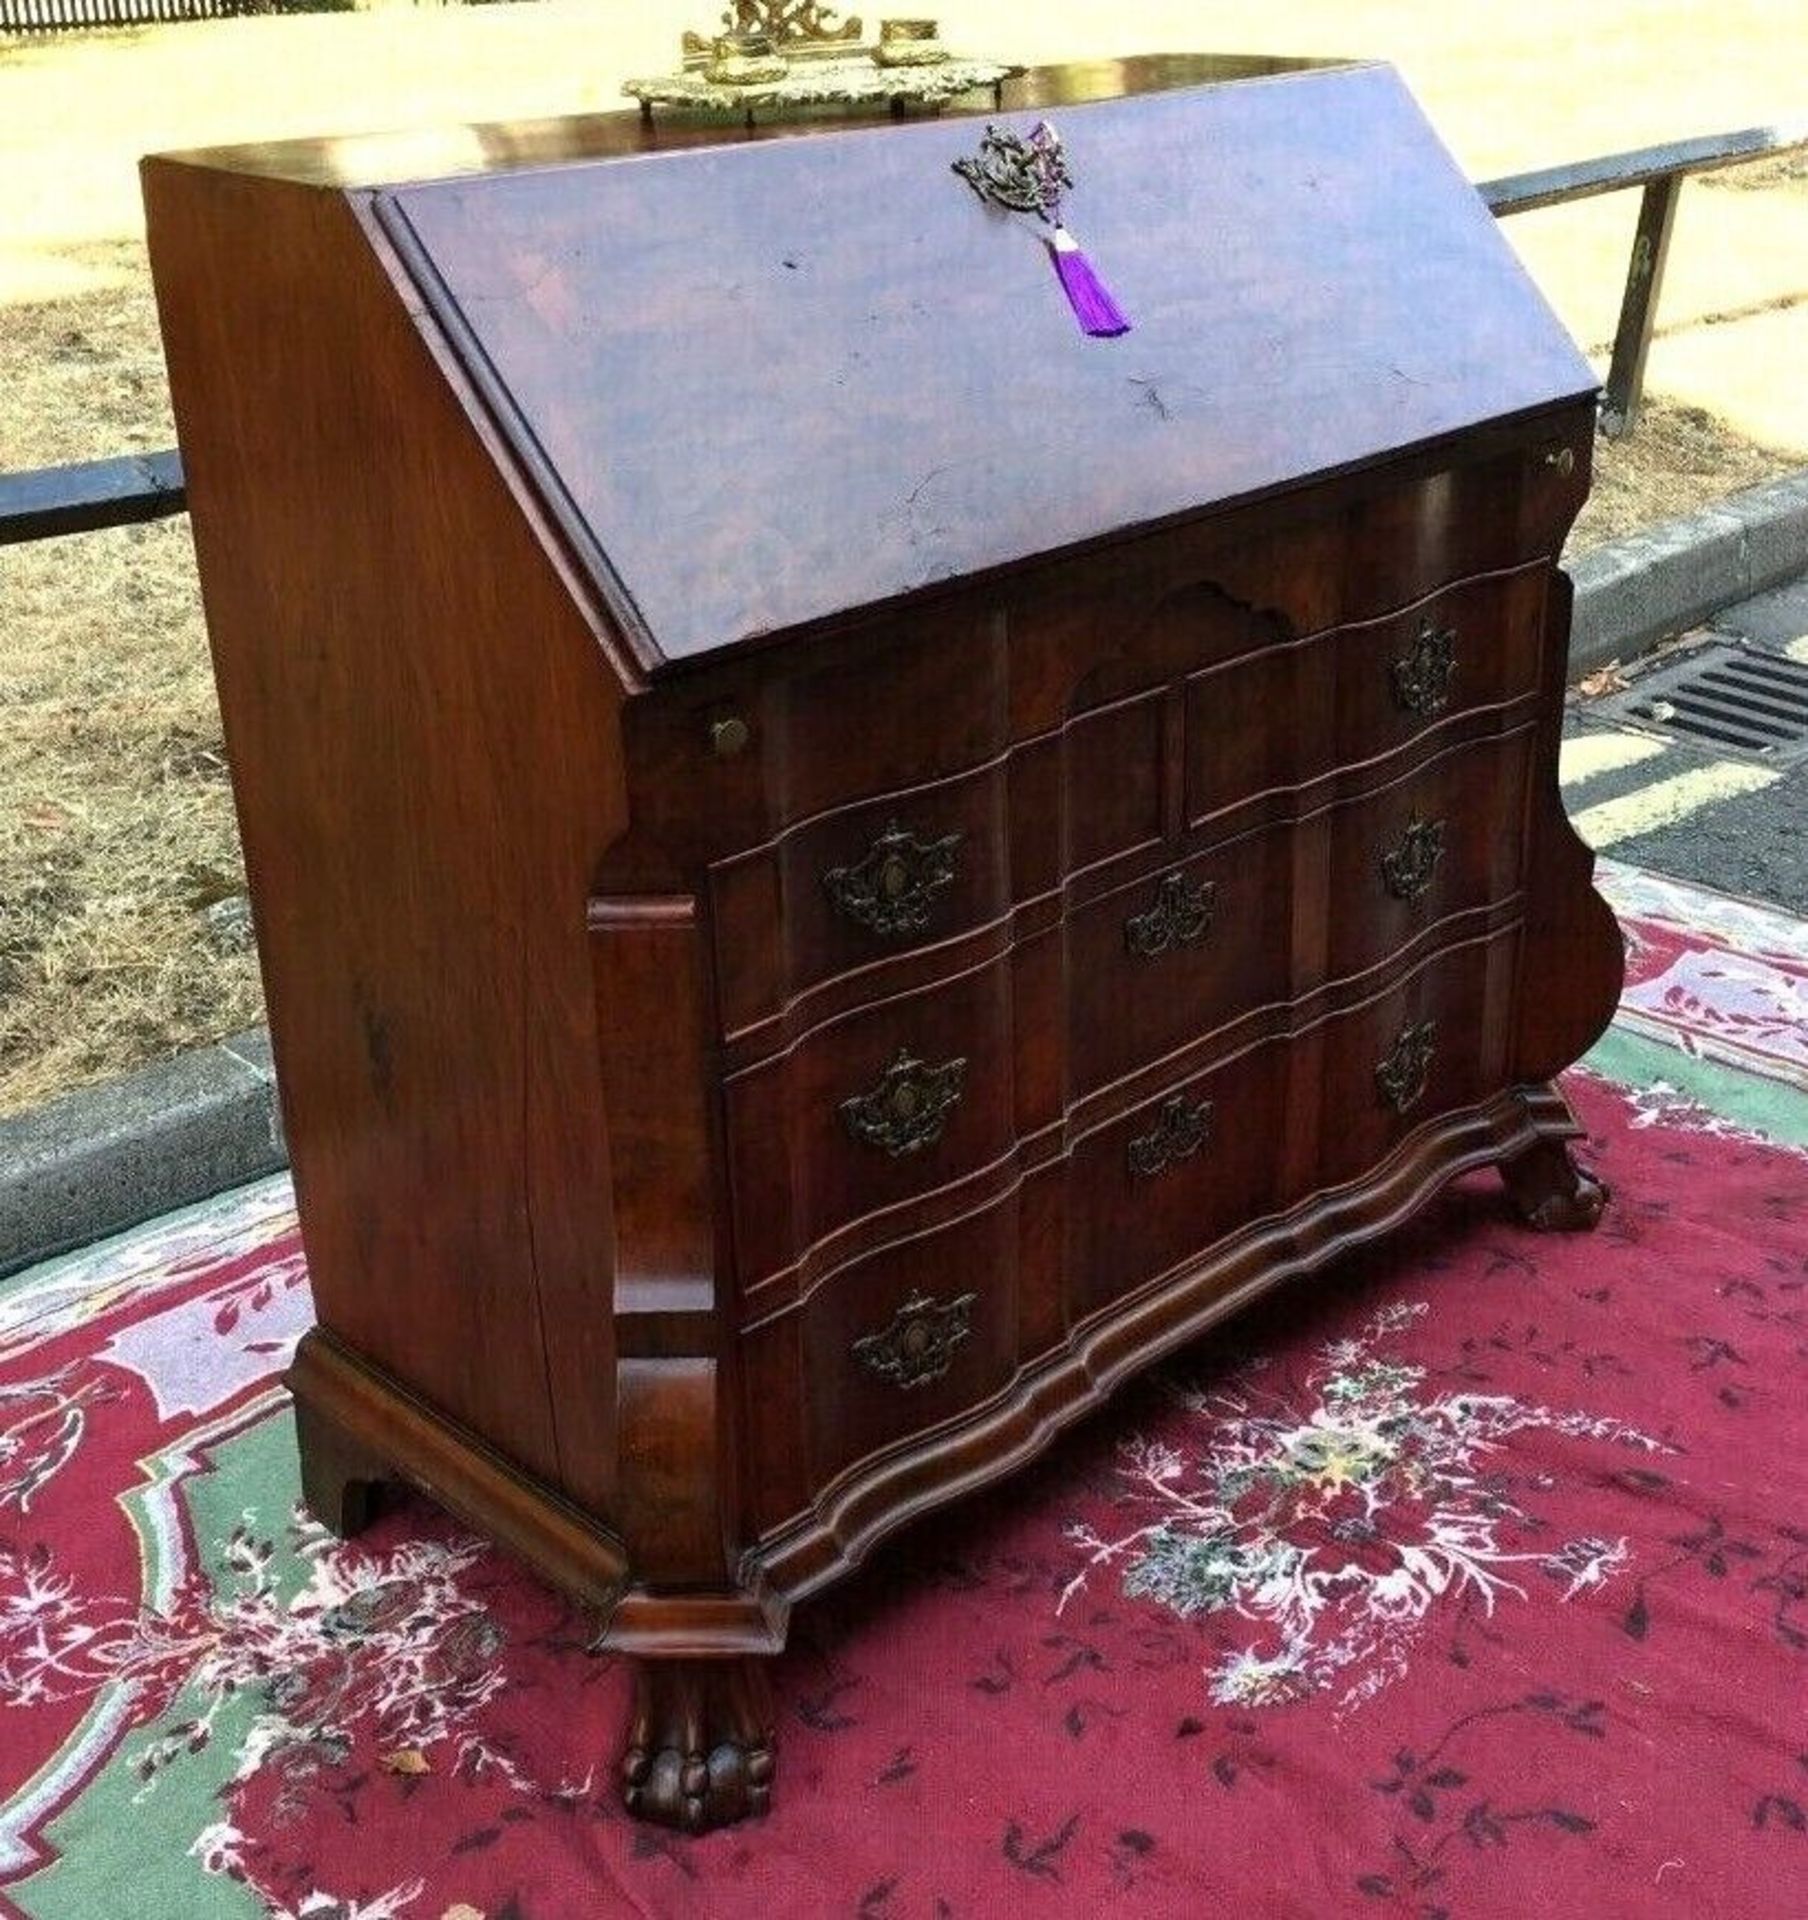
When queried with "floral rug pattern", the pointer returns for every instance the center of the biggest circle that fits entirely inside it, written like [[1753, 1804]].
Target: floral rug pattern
[[1334, 1522], [1469, 1580]]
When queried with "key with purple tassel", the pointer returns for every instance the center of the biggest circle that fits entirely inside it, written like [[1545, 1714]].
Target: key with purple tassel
[[1027, 173]]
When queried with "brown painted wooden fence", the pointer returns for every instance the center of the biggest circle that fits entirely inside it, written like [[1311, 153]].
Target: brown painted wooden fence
[[66, 16]]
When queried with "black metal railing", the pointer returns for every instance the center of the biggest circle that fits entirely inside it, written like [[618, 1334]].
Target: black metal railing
[[115, 493], [1660, 171]]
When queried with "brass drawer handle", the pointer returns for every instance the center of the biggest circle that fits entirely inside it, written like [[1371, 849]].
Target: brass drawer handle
[[892, 888], [919, 1344], [909, 1106], [1180, 916], [1180, 1131], [1422, 676], [1407, 870], [1402, 1077]]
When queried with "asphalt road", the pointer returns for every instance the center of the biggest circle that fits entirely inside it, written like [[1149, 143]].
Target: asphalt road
[[1648, 794]]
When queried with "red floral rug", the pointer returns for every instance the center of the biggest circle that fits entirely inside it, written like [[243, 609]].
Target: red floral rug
[[1470, 1579]]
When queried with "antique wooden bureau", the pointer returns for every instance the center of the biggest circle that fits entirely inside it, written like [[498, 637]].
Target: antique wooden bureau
[[838, 864]]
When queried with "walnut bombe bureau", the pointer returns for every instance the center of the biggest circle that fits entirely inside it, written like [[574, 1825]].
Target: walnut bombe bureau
[[838, 864]]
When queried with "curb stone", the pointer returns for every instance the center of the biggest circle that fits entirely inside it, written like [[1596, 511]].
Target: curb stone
[[107, 1158], [104, 1159], [1663, 580]]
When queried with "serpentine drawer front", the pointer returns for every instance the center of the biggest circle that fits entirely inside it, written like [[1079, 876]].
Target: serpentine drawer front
[[841, 863]]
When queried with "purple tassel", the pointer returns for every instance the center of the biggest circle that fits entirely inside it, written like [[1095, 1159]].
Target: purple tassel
[[1094, 308]]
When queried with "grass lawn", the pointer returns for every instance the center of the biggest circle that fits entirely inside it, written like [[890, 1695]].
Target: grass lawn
[[115, 824]]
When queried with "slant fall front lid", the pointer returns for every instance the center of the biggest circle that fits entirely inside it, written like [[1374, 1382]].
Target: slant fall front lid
[[764, 385]]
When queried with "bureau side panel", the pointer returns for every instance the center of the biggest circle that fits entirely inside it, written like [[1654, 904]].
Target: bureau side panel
[[422, 736]]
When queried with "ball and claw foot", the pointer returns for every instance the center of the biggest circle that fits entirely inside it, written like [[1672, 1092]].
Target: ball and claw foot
[[700, 1743], [1550, 1192]]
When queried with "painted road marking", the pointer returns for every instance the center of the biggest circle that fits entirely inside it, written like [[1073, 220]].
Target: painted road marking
[[1664, 802], [1798, 649], [1589, 754]]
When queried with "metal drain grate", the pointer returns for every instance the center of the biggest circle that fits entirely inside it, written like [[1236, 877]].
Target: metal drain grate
[[1730, 697]]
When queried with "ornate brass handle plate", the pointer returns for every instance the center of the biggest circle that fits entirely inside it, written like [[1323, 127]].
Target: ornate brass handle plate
[[1402, 1077], [1422, 675], [909, 1107], [1407, 869], [1180, 916], [891, 890], [1180, 1131], [919, 1344]]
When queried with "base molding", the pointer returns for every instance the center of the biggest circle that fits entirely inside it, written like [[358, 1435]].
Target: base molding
[[358, 1425]]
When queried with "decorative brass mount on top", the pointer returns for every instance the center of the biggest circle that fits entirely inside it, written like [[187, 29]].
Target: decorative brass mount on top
[[793, 55], [799, 29]]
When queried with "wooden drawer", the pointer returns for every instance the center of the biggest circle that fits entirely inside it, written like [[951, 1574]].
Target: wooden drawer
[[1175, 1174], [1255, 1133], [724, 761], [873, 1110], [1295, 711], [886, 1349], [857, 888], [1277, 914], [1159, 963], [1436, 1041], [1445, 839]]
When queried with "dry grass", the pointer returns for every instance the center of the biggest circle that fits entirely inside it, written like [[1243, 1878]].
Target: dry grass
[[115, 819]]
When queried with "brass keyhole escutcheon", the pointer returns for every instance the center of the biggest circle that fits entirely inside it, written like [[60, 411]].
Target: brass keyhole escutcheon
[[729, 736], [892, 890], [908, 1107], [919, 1344]]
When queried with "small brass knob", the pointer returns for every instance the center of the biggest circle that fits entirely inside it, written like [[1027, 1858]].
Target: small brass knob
[[729, 737], [1563, 459]]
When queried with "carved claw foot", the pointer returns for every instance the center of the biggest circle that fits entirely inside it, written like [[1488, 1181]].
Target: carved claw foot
[[340, 1482], [700, 1743], [1550, 1192]]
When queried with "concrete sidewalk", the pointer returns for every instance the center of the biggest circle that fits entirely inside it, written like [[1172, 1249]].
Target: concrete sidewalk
[[104, 1159]]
